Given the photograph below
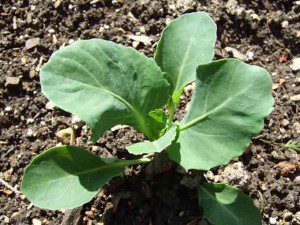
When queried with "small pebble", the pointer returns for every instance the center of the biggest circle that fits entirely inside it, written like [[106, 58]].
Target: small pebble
[[295, 66], [36, 222], [32, 42], [285, 24], [295, 98], [89, 213], [236, 53], [51, 31], [285, 122], [11, 81], [250, 55], [8, 109], [50, 105], [75, 119], [71, 41], [274, 154], [287, 215], [29, 120], [29, 133], [297, 180], [272, 220]]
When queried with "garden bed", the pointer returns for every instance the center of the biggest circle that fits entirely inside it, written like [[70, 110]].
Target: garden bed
[[264, 34]]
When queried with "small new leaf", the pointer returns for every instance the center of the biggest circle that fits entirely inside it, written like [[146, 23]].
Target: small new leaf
[[155, 146], [225, 205], [157, 121], [66, 177]]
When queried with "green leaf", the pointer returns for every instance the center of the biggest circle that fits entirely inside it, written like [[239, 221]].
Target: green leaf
[[186, 42], [66, 177], [157, 121], [105, 84], [229, 104], [156, 146], [225, 205]]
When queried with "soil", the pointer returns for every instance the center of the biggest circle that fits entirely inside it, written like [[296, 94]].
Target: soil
[[269, 173]]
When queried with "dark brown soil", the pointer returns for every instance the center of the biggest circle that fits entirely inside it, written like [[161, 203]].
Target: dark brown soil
[[147, 195]]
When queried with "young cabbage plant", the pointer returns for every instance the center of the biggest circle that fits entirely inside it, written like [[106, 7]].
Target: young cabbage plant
[[107, 84]]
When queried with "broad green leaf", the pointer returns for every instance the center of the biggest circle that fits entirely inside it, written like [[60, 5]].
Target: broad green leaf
[[229, 104], [155, 146], [66, 177], [225, 205], [186, 42], [105, 84], [157, 121]]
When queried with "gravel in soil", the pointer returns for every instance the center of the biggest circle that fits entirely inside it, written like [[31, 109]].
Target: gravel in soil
[[265, 33]]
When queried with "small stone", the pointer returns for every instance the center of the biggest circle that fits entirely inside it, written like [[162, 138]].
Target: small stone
[[210, 175], [274, 154], [272, 220], [31, 43], [250, 55], [75, 119], [11, 81], [296, 126], [71, 41], [66, 135], [285, 122], [141, 38], [54, 39], [117, 127], [32, 74], [94, 1], [297, 180], [51, 31], [297, 216], [89, 213], [275, 86], [57, 4], [29, 120], [36, 222], [142, 30], [29, 133], [5, 219], [50, 105], [285, 24], [181, 214], [236, 53], [168, 21], [295, 66], [135, 44], [8, 109], [255, 17], [282, 130], [295, 98], [287, 215]]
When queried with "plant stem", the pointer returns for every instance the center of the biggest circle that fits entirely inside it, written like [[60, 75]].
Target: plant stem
[[171, 115], [140, 161]]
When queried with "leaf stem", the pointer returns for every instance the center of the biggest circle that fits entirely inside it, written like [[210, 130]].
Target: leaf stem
[[140, 161], [171, 116]]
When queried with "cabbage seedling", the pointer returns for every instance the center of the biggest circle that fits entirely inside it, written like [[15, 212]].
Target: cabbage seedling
[[106, 84]]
